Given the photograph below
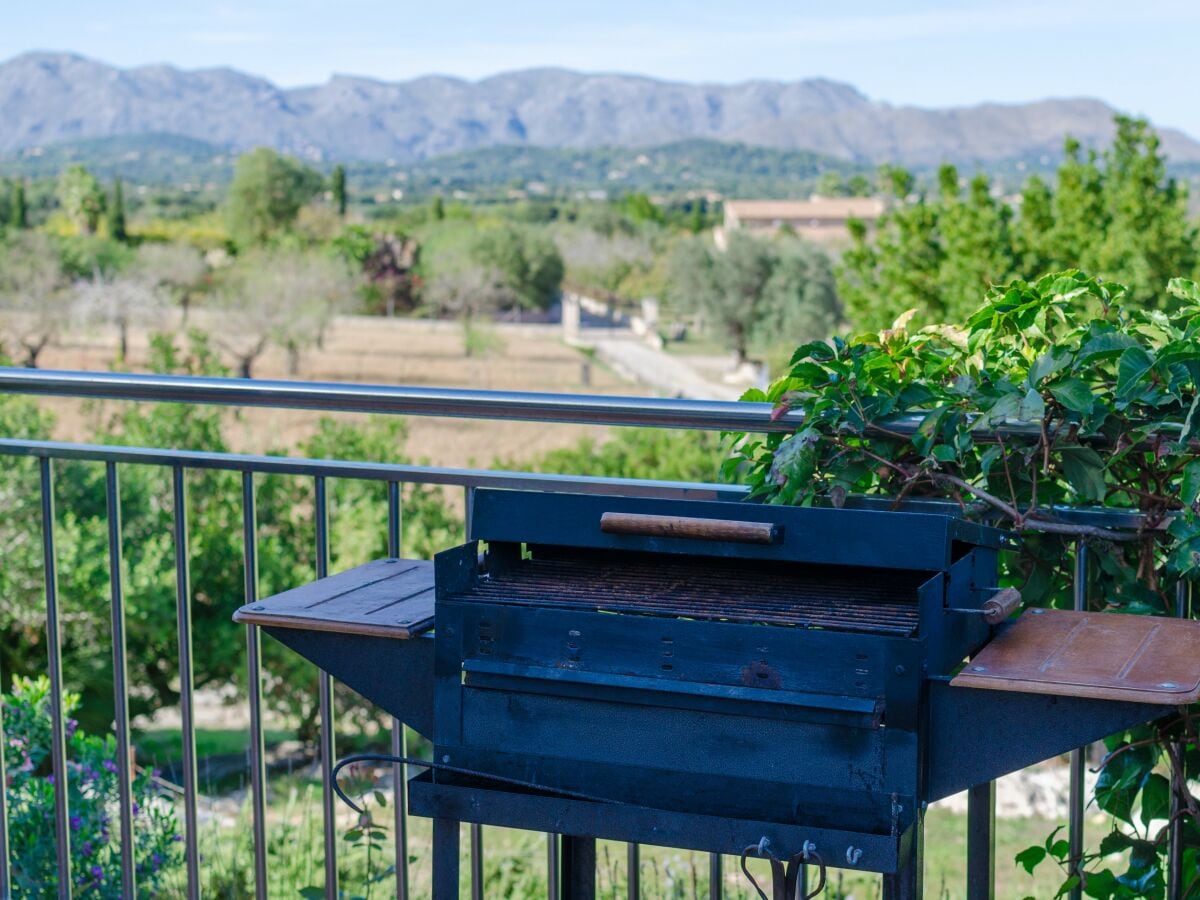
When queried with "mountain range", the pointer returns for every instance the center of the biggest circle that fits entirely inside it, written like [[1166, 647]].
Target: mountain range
[[47, 98]]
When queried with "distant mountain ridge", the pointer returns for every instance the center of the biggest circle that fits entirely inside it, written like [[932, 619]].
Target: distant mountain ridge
[[46, 98]]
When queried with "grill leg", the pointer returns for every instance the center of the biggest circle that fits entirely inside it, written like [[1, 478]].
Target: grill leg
[[445, 859], [981, 842], [907, 883], [578, 868]]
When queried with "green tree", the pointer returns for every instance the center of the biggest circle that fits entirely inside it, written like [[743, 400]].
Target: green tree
[[81, 198], [337, 184], [1078, 209], [976, 246], [116, 214], [437, 209], [18, 210], [267, 193], [1032, 243], [1149, 237], [754, 291], [898, 267], [640, 208], [529, 264]]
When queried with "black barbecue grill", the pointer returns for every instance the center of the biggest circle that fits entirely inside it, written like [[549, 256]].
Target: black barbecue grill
[[725, 677]]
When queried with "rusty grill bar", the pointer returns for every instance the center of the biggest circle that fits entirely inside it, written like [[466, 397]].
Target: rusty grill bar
[[806, 597]]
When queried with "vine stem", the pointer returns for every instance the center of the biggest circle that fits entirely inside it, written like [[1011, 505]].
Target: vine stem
[[1024, 521]]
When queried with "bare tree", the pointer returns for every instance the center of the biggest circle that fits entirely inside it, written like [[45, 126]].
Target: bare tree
[[283, 298], [467, 291], [177, 268], [120, 302], [35, 304]]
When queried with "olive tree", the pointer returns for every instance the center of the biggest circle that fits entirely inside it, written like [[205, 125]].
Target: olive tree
[[286, 298], [756, 290], [120, 302], [35, 302]]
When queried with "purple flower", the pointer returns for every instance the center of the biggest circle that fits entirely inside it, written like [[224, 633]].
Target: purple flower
[[87, 848], [76, 822], [178, 838], [136, 809], [50, 779], [71, 726], [97, 872], [110, 766]]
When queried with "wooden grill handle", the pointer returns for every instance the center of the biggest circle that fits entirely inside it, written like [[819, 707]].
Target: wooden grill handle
[[1001, 605], [693, 528]]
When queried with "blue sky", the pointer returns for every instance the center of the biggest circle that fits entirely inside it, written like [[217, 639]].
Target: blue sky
[[1141, 56]]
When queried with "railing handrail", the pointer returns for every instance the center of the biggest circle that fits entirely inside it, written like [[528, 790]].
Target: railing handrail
[[581, 409]]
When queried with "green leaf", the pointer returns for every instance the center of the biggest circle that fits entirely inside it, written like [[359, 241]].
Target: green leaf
[[1134, 365], [1184, 289], [1074, 395], [1156, 799], [1121, 780], [1084, 471], [1111, 343], [1189, 487], [1031, 857], [1032, 407]]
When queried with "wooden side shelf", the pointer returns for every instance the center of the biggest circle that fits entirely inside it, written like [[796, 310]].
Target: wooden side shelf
[[1104, 656], [385, 598]]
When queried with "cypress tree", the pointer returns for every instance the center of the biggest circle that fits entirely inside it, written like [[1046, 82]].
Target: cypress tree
[[338, 186], [116, 213], [439, 208], [18, 208]]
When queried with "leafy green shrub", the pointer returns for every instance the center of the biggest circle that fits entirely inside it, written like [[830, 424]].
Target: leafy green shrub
[[1094, 401], [92, 799]]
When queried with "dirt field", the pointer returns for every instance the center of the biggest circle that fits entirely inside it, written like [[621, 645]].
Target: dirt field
[[379, 351]]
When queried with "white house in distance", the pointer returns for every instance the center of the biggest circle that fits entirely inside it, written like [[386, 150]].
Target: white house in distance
[[821, 219]]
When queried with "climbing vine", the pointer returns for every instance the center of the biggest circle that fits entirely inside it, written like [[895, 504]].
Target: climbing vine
[[1053, 396]]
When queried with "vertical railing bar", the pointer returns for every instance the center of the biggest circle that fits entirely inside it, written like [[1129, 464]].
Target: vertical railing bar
[[399, 736], [327, 745], [258, 771], [5, 881], [1075, 797], [476, 861], [633, 875], [1175, 832], [183, 619], [552, 873], [58, 746], [715, 877], [476, 829], [112, 498]]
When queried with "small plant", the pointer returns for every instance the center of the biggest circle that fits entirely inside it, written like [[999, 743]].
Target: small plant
[[92, 799]]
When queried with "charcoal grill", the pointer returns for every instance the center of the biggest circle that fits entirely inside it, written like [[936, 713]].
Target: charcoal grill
[[716, 676]]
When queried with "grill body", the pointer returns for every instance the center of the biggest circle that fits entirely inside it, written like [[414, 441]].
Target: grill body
[[781, 683]]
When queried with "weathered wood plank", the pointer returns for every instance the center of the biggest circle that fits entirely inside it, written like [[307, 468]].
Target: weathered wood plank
[[1105, 656], [384, 598]]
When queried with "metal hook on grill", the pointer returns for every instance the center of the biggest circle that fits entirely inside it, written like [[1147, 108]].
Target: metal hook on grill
[[784, 879]]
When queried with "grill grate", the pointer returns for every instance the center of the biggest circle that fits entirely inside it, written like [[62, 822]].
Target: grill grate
[[728, 590]]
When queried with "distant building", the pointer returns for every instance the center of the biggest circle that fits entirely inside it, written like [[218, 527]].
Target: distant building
[[822, 219]]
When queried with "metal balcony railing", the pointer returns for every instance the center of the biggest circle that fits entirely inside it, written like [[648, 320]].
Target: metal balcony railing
[[494, 405]]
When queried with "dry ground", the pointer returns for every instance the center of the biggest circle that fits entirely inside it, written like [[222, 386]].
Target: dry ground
[[399, 352]]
